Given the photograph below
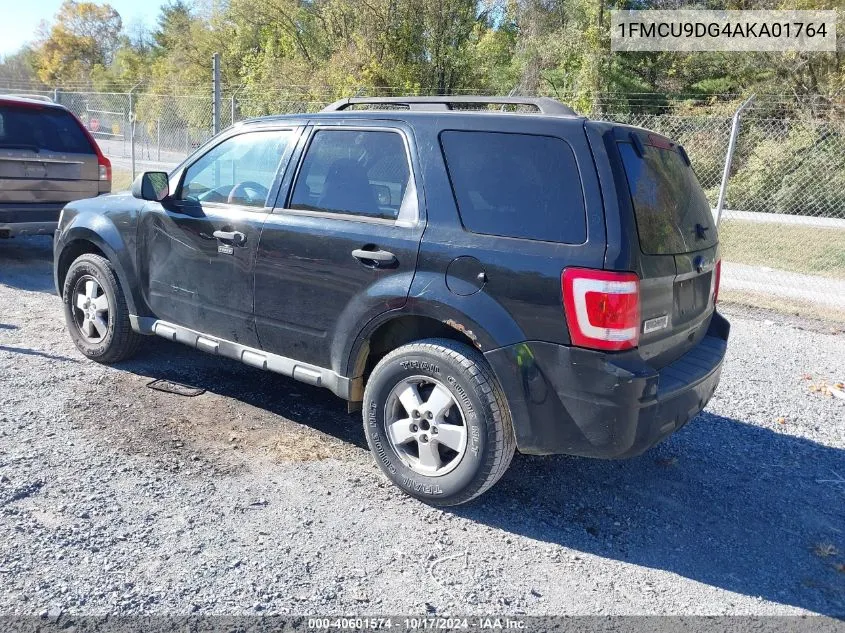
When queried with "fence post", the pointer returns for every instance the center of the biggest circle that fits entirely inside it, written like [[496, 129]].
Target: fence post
[[215, 93], [723, 189], [132, 118], [132, 135], [158, 139], [235, 103]]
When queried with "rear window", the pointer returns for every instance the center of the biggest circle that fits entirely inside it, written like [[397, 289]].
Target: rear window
[[673, 214], [516, 185], [41, 128]]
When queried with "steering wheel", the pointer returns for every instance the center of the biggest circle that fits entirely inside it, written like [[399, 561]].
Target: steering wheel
[[241, 188]]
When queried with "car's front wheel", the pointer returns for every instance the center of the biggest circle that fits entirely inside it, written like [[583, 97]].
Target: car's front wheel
[[96, 313], [437, 422]]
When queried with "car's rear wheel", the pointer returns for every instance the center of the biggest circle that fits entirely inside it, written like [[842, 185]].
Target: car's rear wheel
[[437, 422], [96, 313]]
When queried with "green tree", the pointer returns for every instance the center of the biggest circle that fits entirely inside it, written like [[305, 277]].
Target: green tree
[[18, 69], [84, 36]]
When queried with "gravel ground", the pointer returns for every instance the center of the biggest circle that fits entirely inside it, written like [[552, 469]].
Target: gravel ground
[[260, 496]]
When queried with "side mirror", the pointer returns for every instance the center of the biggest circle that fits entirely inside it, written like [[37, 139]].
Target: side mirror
[[151, 185]]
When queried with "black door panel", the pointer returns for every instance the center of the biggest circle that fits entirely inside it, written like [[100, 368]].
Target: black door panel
[[309, 286], [347, 249], [197, 250], [197, 280]]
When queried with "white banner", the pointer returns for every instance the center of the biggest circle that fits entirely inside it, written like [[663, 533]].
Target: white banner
[[694, 30]]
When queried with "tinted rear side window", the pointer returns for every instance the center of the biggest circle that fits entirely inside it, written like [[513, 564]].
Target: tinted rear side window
[[42, 128], [516, 185], [355, 172], [673, 214]]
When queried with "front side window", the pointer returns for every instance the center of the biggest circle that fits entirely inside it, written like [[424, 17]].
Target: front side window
[[240, 170], [356, 172]]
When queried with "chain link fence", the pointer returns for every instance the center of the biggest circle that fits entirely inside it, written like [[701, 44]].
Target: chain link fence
[[782, 232]]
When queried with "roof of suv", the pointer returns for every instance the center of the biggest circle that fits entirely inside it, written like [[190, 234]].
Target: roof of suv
[[445, 103], [33, 100], [428, 107]]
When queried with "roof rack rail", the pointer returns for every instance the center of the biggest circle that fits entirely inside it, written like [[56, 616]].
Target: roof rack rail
[[43, 98], [545, 105]]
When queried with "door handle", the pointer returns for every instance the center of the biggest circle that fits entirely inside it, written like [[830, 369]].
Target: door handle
[[379, 257], [236, 237]]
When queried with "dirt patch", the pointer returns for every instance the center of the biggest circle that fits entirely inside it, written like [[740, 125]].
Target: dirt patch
[[296, 447], [226, 433]]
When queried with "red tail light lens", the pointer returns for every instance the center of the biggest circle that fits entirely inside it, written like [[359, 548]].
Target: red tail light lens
[[602, 308], [105, 167], [104, 164], [717, 279]]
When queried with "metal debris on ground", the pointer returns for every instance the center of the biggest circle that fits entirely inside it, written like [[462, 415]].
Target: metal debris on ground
[[168, 386]]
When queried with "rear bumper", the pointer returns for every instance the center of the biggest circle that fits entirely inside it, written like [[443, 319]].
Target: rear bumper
[[29, 219], [581, 402], [28, 228]]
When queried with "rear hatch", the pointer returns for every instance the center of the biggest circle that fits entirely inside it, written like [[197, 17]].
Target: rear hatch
[[45, 155], [676, 243]]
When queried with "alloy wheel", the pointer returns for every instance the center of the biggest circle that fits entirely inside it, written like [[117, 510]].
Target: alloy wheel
[[90, 309], [425, 426]]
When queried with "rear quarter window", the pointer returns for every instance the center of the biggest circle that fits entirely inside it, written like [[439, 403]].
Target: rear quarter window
[[42, 128], [516, 185]]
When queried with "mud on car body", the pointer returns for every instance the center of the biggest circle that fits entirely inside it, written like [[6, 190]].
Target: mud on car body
[[474, 281]]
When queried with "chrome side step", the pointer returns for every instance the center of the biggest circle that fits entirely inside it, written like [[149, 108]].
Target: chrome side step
[[310, 374]]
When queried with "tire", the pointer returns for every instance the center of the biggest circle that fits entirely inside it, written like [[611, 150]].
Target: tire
[[107, 337], [422, 454]]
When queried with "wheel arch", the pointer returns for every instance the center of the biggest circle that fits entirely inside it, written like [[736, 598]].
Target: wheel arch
[[79, 240], [69, 253], [417, 321]]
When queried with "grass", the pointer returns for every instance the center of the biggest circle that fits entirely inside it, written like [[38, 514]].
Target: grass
[[801, 249], [773, 303], [121, 179]]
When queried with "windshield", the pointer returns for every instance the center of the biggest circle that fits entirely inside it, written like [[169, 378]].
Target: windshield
[[673, 214]]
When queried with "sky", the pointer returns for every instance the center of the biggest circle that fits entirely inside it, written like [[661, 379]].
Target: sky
[[20, 18]]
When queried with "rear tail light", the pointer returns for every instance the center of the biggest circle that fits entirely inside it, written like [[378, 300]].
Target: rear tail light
[[717, 279], [103, 163], [602, 308], [105, 167]]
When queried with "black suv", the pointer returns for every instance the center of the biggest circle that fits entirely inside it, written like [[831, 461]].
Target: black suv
[[476, 281]]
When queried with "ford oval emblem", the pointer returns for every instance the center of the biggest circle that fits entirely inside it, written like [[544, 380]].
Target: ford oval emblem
[[698, 262]]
